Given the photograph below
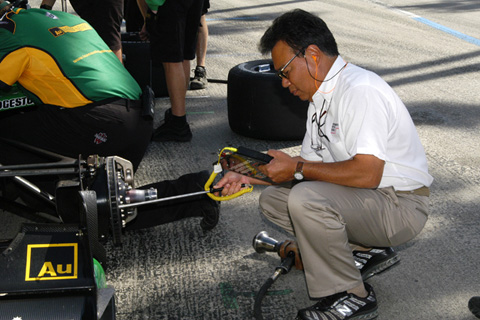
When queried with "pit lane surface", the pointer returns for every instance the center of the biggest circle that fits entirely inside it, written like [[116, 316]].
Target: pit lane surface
[[176, 271]]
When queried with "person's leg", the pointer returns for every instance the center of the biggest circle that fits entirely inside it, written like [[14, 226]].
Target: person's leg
[[199, 80], [175, 126], [18, 125], [186, 71], [321, 236], [106, 130], [325, 217], [173, 43], [177, 90], [202, 42], [333, 216], [177, 209], [273, 204]]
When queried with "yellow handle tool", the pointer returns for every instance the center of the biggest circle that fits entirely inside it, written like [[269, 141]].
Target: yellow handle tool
[[217, 168]]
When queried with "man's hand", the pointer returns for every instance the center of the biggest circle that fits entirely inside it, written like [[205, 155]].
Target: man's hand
[[142, 6], [289, 246], [231, 183], [281, 168], [143, 34]]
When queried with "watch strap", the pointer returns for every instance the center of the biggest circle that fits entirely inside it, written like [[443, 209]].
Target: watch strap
[[299, 171]]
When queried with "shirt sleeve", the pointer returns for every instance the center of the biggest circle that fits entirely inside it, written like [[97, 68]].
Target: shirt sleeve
[[366, 121]]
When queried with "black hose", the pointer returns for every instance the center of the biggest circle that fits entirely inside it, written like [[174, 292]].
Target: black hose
[[214, 80], [218, 81], [257, 307], [283, 268]]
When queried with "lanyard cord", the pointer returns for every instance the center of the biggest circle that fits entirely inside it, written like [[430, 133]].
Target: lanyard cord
[[316, 72]]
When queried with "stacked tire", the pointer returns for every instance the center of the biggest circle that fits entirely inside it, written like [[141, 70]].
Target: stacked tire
[[259, 107]]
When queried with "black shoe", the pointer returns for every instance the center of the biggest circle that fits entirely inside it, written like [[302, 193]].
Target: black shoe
[[474, 306], [374, 261], [167, 115], [210, 215], [170, 131], [210, 209], [199, 81], [342, 306]]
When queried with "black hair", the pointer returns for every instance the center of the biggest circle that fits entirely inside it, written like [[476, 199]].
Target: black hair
[[299, 29]]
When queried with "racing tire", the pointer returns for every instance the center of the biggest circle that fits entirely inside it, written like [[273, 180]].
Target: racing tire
[[259, 107]]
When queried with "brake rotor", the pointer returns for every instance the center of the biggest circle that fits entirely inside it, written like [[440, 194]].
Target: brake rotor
[[119, 181]]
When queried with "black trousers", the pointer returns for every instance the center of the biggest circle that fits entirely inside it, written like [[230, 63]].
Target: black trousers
[[173, 210], [106, 130]]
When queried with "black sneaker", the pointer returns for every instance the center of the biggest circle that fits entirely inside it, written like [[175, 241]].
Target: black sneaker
[[210, 215], [167, 115], [169, 131], [474, 306], [374, 261], [210, 209], [342, 306], [199, 81]]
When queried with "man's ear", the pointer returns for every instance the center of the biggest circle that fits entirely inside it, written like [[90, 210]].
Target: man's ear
[[313, 51]]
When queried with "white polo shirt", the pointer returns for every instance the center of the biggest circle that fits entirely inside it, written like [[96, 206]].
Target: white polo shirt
[[357, 112]]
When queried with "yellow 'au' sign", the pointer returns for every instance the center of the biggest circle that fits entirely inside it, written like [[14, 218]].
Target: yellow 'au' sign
[[51, 261]]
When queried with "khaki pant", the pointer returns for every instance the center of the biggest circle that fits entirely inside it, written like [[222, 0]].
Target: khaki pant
[[326, 218]]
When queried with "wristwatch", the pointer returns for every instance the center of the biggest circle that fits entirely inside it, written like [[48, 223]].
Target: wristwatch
[[298, 175]]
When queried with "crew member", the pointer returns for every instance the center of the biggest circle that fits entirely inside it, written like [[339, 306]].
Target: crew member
[[86, 101], [172, 27], [361, 177]]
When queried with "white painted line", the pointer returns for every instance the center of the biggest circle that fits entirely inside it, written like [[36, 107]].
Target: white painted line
[[432, 24]]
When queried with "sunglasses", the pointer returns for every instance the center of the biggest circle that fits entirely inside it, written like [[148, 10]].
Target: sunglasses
[[280, 73]]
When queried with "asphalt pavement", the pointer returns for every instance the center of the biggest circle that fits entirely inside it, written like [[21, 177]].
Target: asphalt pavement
[[177, 271]]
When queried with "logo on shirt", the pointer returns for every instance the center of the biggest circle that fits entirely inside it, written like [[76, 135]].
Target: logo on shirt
[[335, 127], [51, 15], [100, 137], [60, 31], [15, 103]]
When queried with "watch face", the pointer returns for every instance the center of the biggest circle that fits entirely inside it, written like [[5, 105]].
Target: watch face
[[298, 176]]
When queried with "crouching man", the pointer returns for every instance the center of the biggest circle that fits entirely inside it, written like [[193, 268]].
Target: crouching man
[[361, 178]]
